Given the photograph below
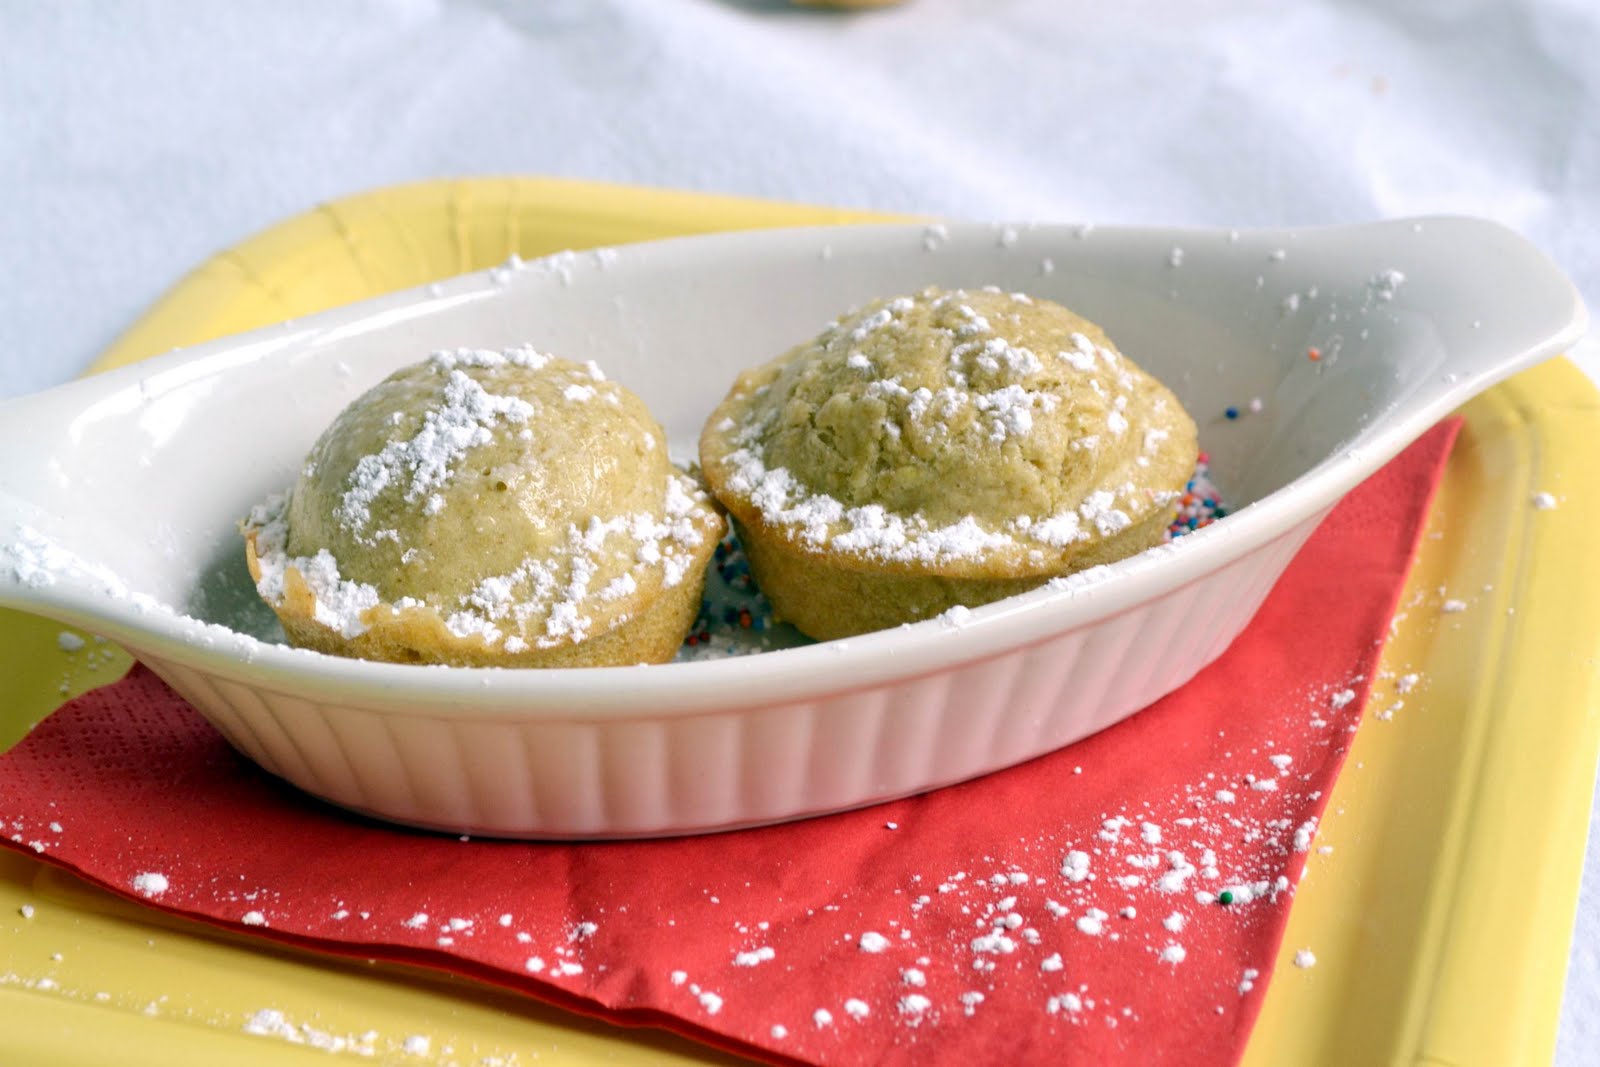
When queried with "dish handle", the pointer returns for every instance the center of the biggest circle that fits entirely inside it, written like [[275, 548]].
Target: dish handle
[[1512, 309]]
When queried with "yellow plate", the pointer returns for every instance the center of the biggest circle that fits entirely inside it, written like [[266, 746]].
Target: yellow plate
[[1440, 920]]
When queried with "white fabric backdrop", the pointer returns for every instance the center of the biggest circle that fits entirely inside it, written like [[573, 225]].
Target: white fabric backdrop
[[136, 140]]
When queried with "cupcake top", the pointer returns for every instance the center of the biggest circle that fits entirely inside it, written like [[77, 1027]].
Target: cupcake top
[[523, 500], [959, 432]]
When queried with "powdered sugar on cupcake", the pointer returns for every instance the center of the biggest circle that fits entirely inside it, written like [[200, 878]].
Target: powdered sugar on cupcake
[[554, 599]]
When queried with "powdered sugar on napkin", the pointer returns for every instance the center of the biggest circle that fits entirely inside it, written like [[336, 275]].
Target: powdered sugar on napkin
[[1096, 902]]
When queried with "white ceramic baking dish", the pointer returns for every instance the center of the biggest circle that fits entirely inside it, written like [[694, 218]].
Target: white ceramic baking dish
[[119, 496]]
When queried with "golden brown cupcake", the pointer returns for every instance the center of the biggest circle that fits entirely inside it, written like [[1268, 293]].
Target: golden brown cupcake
[[488, 509], [947, 448]]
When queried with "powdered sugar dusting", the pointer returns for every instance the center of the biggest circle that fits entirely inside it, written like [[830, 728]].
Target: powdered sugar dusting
[[873, 942], [464, 419], [1158, 874], [150, 883], [990, 382], [874, 531], [271, 1022], [545, 601]]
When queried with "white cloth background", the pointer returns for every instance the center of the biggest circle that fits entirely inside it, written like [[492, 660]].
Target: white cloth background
[[136, 140]]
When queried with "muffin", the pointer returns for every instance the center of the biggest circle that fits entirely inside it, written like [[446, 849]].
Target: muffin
[[488, 509], [946, 448]]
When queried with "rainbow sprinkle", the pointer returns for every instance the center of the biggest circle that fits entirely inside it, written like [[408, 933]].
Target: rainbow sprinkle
[[735, 619], [1201, 503]]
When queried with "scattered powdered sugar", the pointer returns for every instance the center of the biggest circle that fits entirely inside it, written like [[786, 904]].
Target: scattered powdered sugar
[[1058, 530], [1070, 1002], [554, 600], [1092, 922], [270, 1022], [914, 1004], [464, 419], [873, 942], [870, 530], [340, 604], [1185, 850], [1011, 410], [1099, 510], [1386, 283], [1544, 501], [874, 531], [68, 641], [539, 590], [995, 355], [1008, 408], [37, 561], [956, 616], [1305, 959], [150, 883], [994, 943], [1075, 868], [502, 274]]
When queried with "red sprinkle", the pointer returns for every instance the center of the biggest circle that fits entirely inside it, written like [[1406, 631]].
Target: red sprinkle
[[1314, 354]]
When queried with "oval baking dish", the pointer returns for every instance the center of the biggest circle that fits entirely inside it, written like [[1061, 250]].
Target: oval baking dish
[[119, 496]]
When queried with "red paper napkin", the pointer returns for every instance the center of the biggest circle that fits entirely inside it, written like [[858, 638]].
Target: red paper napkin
[[1062, 911]]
